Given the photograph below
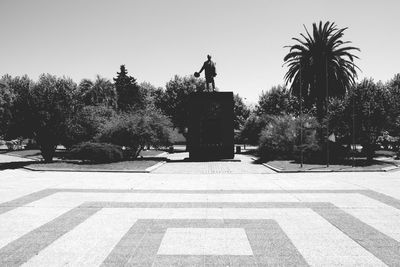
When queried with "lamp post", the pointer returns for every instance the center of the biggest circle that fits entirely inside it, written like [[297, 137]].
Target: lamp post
[[301, 119], [327, 110], [354, 136]]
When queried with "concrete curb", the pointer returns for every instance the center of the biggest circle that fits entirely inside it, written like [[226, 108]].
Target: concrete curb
[[155, 166], [391, 168], [147, 170], [81, 170], [278, 170], [272, 168]]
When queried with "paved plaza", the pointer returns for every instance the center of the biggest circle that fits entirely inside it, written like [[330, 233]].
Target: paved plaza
[[199, 214]]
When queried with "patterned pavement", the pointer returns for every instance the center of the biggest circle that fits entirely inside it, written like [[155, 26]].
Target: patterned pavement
[[210, 219]]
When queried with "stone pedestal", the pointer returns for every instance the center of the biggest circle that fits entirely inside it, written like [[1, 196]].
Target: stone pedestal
[[210, 128]]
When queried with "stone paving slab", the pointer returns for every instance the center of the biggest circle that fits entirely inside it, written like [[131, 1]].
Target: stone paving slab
[[242, 164], [236, 219]]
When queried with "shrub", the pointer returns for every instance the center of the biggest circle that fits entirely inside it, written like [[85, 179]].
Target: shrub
[[281, 138], [86, 124], [251, 130], [97, 152], [277, 139], [137, 130], [307, 143]]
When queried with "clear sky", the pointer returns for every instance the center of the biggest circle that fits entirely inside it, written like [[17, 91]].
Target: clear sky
[[157, 39]]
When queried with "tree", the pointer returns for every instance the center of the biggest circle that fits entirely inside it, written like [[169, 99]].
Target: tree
[[320, 64], [86, 124], [52, 101], [7, 98], [151, 95], [368, 102], [240, 112], [340, 119], [274, 101], [175, 99], [127, 90], [251, 130], [100, 92], [279, 101], [393, 87], [18, 124]]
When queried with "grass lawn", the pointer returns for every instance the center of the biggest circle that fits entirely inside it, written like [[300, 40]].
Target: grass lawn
[[137, 165], [22, 153], [59, 153], [360, 165]]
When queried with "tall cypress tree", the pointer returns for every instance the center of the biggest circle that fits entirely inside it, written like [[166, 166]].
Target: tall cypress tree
[[127, 90]]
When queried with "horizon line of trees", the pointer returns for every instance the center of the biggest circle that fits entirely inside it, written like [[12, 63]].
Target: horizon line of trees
[[323, 100], [367, 114], [56, 110]]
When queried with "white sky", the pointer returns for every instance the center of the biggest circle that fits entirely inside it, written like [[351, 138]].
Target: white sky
[[158, 39]]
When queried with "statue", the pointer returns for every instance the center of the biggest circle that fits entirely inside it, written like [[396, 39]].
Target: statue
[[210, 72]]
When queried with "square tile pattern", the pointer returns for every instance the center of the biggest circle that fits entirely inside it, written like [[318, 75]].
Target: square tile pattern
[[79, 227], [205, 241], [260, 242]]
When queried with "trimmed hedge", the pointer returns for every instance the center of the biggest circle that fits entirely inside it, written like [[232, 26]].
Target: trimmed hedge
[[97, 152]]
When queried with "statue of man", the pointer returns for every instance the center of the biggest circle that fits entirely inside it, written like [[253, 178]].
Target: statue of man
[[210, 72]]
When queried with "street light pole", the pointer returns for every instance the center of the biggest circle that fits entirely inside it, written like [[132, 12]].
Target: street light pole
[[354, 115], [301, 119], [327, 110]]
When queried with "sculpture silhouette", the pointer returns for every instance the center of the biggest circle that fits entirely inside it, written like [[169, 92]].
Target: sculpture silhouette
[[210, 72]]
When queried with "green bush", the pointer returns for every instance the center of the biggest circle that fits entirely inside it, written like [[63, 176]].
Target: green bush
[[97, 152], [251, 130], [306, 140], [281, 138], [277, 139], [86, 124], [137, 130]]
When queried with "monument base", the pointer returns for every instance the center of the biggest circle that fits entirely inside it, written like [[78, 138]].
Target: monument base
[[210, 128]]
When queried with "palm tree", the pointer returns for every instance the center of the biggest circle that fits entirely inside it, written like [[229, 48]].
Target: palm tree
[[320, 65], [100, 92]]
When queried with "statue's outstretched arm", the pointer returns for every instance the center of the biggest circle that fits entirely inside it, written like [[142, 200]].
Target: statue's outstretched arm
[[202, 68]]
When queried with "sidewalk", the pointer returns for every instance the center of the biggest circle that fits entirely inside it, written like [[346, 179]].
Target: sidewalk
[[242, 164], [209, 219]]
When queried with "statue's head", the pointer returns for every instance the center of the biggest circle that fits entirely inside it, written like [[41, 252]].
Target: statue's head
[[208, 57]]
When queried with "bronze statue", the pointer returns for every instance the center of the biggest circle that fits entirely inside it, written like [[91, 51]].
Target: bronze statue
[[210, 72]]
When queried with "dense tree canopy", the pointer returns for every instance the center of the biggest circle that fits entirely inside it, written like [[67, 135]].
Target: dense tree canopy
[[174, 103], [393, 87], [151, 95], [279, 101], [86, 123], [52, 101], [240, 112], [368, 101], [17, 123], [7, 98]]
